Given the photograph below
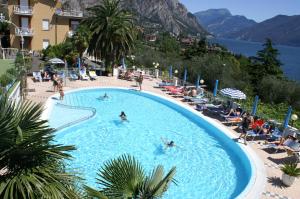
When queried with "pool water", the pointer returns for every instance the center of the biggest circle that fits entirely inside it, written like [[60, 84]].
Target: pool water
[[208, 163]]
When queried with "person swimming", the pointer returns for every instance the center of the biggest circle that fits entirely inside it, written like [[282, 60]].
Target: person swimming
[[123, 116], [168, 144], [105, 96]]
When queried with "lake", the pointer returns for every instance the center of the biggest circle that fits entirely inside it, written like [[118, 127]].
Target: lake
[[289, 56]]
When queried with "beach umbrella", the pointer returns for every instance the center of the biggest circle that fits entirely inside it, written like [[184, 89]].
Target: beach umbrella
[[56, 61], [197, 82], [216, 88], [170, 72], [254, 107], [185, 75], [233, 93], [287, 117]]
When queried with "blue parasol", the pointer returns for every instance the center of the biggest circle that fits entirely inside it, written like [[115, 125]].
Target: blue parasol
[[185, 75], [170, 72], [254, 107], [216, 88], [287, 117]]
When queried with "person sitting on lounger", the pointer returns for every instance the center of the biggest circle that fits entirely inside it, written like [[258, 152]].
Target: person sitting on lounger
[[123, 116]]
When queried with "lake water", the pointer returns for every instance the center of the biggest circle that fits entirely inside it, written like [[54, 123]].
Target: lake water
[[289, 56]]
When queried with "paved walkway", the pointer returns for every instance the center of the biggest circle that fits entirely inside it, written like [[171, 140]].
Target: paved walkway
[[272, 161]]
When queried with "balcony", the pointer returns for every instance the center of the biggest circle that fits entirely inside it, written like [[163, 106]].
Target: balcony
[[23, 10], [69, 13], [25, 32]]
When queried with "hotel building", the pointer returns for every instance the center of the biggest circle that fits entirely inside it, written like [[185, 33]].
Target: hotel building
[[41, 23]]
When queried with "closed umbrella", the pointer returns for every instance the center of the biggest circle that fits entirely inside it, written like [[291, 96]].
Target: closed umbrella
[[233, 93], [78, 63], [197, 82], [185, 76], [254, 107], [216, 88], [170, 72], [287, 117], [123, 63]]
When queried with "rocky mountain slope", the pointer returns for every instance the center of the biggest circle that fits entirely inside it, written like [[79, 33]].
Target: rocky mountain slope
[[280, 29], [162, 15], [221, 23]]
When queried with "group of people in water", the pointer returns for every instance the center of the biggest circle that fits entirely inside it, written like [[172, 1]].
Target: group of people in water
[[123, 117]]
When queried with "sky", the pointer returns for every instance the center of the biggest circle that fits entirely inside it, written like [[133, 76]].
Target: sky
[[259, 10]]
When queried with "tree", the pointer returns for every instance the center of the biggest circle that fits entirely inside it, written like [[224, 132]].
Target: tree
[[112, 31], [125, 178], [30, 162], [267, 58], [168, 44], [81, 39]]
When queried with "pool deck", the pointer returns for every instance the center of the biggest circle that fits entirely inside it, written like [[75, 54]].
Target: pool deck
[[41, 91]]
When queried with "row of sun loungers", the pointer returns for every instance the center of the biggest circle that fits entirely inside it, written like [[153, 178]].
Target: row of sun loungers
[[258, 129], [38, 77]]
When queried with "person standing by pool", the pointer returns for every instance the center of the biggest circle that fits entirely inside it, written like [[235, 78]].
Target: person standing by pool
[[60, 90], [140, 80], [55, 82], [245, 126]]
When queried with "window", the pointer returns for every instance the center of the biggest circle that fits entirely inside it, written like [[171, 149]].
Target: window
[[45, 24], [74, 24], [45, 43]]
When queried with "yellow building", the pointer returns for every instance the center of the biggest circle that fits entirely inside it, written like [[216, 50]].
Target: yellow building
[[41, 22]]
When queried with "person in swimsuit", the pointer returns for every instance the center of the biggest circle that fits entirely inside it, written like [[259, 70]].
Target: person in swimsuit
[[123, 116]]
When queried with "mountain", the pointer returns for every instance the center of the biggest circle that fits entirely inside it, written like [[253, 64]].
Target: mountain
[[154, 15], [280, 29], [221, 23]]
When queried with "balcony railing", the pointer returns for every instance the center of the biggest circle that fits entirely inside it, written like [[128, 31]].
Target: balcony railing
[[25, 32], [69, 13], [23, 10]]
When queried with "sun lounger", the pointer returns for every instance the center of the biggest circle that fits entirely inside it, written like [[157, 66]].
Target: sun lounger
[[61, 74], [73, 75], [160, 85], [83, 75], [93, 75], [37, 76], [289, 145]]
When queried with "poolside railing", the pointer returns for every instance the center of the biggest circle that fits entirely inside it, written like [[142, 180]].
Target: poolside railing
[[93, 113]]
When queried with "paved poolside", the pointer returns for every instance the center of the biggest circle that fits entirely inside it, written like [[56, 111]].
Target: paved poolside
[[41, 91]]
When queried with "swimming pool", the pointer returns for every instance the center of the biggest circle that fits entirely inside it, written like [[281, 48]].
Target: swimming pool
[[209, 164]]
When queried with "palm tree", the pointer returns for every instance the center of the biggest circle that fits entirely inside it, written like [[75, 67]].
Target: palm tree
[[30, 162], [112, 29], [125, 178]]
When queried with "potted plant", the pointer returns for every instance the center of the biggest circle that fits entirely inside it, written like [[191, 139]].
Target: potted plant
[[290, 172]]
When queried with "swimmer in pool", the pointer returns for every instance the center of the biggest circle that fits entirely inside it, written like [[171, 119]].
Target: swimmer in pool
[[123, 116], [168, 144]]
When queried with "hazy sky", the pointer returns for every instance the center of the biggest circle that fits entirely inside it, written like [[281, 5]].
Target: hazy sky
[[258, 10]]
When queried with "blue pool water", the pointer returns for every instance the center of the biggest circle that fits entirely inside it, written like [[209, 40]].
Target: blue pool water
[[209, 164]]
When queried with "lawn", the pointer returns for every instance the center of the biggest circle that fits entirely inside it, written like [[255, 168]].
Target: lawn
[[5, 64]]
